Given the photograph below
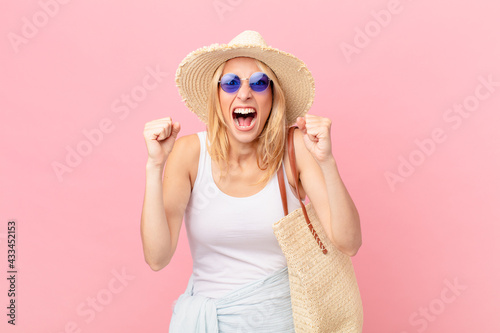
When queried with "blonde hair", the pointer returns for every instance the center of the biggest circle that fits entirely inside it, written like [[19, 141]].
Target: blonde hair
[[271, 141]]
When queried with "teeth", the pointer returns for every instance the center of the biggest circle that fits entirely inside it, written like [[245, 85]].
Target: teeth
[[244, 111]]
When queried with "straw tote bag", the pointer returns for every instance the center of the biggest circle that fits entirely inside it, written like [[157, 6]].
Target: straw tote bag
[[324, 292]]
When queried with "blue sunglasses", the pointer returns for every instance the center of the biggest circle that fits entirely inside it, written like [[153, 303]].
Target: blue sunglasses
[[231, 83]]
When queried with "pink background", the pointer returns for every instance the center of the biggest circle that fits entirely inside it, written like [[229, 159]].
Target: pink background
[[434, 227]]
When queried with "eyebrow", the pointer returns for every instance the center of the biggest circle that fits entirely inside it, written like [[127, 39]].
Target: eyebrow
[[240, 76]]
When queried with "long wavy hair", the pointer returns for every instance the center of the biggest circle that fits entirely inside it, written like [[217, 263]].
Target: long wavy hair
[[271, 141]]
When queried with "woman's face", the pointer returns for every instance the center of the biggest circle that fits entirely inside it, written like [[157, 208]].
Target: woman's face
[[245, 125]]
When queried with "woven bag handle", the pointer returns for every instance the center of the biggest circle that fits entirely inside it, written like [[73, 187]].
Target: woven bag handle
[[291, 157]]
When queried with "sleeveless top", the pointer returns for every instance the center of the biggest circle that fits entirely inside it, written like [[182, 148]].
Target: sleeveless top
[[231, 238]]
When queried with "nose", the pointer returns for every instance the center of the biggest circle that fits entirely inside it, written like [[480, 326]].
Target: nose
[[245, 91]]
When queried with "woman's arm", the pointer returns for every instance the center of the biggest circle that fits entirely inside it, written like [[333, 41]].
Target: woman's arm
[[165, 202], [155, 233], [319, 175]]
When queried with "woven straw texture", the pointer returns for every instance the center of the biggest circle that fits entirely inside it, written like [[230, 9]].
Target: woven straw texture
[[324, 290], [195, 72]]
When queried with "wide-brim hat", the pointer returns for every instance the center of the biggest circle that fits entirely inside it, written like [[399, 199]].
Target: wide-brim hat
[[195, 73]]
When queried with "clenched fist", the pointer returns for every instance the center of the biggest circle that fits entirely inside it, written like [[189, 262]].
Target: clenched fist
[[160, 135]]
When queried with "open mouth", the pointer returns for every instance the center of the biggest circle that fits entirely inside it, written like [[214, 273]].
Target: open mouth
[[244, 118]]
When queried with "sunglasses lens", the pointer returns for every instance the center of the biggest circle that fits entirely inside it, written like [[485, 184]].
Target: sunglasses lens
[[259, 81], [230, 83]]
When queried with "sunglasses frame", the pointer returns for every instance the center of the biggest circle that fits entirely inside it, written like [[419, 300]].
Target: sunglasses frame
[[248, 78]]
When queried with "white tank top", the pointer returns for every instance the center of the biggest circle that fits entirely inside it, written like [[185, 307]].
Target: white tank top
[[231, 239]]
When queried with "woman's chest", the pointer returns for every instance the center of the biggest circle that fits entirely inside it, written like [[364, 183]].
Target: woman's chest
[[238, 183], [213, 217]]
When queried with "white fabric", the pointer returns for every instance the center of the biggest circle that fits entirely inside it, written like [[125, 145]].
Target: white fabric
[[262, 306], [231, 239]]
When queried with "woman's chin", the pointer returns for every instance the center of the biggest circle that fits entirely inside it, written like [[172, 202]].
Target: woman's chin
[[245, 133]]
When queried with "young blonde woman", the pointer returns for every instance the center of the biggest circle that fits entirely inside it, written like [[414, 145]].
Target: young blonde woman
[[223, 183]]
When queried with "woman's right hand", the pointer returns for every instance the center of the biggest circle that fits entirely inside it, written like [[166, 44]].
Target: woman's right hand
[[160, 135]]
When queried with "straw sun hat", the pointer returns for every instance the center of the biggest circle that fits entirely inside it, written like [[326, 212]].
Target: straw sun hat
[[195, 73]]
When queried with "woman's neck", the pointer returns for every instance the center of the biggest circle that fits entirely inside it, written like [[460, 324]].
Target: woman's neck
[[242, 153]]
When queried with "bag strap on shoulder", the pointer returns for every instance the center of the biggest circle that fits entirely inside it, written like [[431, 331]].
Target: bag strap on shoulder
[[291, 157]]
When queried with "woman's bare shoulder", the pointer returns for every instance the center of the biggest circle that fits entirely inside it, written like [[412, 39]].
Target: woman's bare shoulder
[[297, 140], [188, 142], [187, 151]]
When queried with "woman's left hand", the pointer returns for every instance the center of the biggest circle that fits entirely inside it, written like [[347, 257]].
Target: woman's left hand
[[317, 136]]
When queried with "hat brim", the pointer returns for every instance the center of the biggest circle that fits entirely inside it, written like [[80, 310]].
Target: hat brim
[[195, 72]]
